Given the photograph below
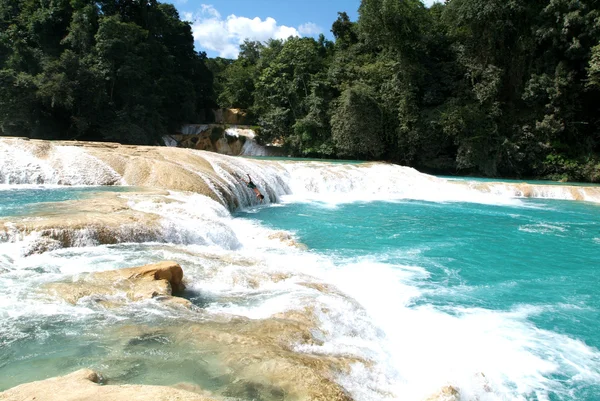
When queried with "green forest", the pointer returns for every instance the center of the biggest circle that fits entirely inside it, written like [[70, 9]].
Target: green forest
[[507, 88]]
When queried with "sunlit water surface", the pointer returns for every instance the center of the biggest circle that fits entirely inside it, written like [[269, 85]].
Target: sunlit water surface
[[500, 301]]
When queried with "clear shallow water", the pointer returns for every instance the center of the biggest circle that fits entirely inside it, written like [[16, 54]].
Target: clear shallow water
[[16, 201], [443, 293], [511, 287], [515, 181]]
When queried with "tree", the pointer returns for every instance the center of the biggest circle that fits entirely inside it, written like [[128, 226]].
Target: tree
[[357, 124], [344, 31], [102, 70]]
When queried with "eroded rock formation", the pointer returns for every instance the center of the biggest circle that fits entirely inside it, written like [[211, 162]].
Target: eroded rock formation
[[257, 358], [158, 280], [104, 219]]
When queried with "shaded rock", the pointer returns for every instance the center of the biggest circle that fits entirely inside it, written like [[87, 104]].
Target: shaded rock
[[114, 287], [228, 146], [230, 116], [83, 385]]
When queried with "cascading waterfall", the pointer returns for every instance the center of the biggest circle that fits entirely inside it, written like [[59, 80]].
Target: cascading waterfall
[[33, 162], [372, 318], [22, 162]]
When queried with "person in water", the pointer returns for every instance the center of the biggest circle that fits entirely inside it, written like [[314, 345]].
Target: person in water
[[250, 184]]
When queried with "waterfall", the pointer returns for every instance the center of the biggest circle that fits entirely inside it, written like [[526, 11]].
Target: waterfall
[[64, 163], [39, 162]]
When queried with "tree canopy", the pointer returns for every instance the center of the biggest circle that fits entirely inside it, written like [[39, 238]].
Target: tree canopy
[[112, 70], [488, 87]]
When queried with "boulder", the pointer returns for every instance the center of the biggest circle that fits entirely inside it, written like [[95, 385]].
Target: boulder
[[136, 284], [83, 385]]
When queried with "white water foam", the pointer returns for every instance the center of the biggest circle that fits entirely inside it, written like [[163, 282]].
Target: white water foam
[[23, 162], [543, 228], [487, 355], [59, 165], [251, 148], [368, 311], [335, 183], [189, 219], [416, 349]]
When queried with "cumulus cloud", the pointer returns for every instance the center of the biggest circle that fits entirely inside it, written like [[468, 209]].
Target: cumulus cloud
[[224, 35], [310, 29]]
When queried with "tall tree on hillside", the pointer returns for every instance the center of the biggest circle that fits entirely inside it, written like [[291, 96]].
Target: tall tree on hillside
[[238, 79], [565, 109], [395, 30], [344, 31], [493, 42], [289, 87], [357, 124]]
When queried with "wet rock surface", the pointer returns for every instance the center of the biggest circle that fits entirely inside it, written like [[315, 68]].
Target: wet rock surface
[[84, 385], [115, 287]]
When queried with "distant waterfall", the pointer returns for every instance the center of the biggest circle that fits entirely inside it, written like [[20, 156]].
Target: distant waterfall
[[234, 140]]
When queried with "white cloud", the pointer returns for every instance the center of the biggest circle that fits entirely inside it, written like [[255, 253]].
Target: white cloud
[[209, 11], [224, 36], [309, 29]]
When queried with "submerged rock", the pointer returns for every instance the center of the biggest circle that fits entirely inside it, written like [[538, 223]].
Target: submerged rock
[[287, 239], [261, 358], [115, 287], [83, 385], [266, 359], [104, 219]]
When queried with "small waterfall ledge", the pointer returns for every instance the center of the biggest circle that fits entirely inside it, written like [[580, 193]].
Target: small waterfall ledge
[[220, 177]]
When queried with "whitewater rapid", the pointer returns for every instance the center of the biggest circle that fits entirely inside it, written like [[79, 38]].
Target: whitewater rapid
[[242, 268], [29, 162]]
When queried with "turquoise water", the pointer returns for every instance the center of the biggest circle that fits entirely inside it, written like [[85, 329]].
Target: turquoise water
[[19, 201], [539, 261], [442, 291], [537, 182]]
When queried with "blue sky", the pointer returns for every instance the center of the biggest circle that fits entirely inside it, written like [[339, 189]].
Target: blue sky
[[221, 25]]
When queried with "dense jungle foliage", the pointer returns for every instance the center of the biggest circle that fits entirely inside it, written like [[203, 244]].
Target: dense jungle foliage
[[492, 87], [111, 70]]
